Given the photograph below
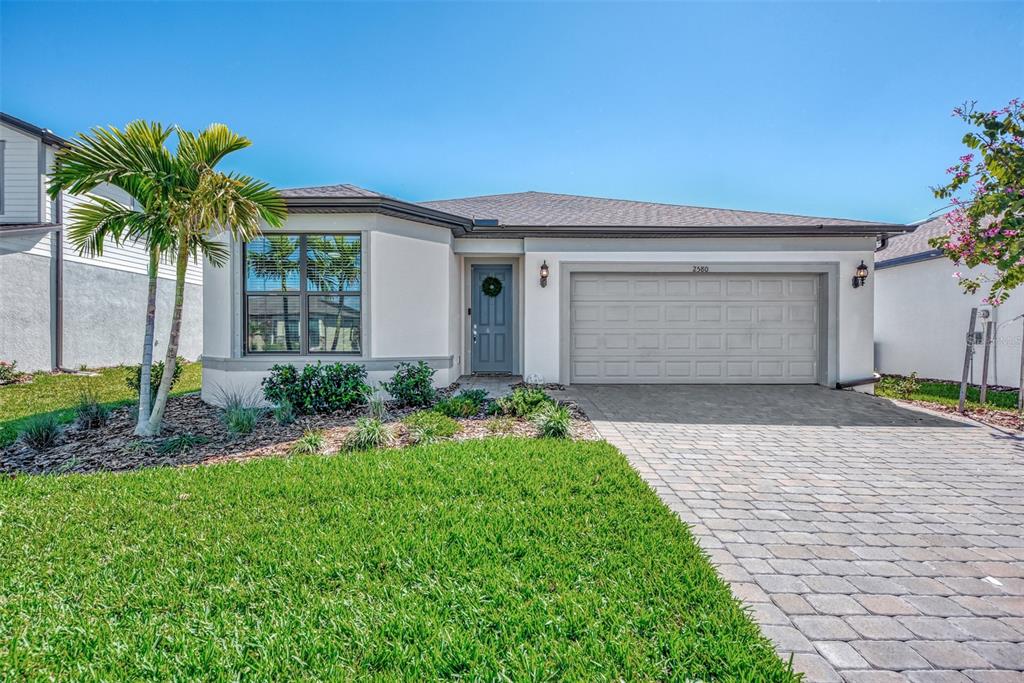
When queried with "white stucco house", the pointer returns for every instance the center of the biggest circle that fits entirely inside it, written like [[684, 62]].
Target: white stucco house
[[564, 288], [59, 309], [922, 314]]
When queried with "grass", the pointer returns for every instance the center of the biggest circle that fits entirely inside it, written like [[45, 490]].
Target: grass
[[511, 559], [59, 395], [949, 394]]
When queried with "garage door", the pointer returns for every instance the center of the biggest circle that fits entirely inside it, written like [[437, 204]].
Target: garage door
[[699, 328]]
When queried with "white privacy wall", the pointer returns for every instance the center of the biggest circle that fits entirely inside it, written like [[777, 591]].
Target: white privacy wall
[[921, 323], [542, 305]]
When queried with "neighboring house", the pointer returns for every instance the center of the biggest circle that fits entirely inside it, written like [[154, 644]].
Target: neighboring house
[[59, 309], [634, 292], [922, 314]]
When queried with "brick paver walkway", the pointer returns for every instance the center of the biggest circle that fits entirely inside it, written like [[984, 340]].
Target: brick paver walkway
[[872, 541]]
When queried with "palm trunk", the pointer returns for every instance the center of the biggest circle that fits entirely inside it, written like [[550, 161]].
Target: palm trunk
[[145, 391], [170, 361]]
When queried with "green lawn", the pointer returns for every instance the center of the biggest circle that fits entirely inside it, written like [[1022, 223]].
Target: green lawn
[[502, 559], [59, 394], [949, 394]]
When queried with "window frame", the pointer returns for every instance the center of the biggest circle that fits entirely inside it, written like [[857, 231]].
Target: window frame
[[304, 293]]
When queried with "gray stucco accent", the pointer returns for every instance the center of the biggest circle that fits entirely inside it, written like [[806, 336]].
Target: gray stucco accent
[[105, 313], [829, 302], [264, 363], [25, 310]]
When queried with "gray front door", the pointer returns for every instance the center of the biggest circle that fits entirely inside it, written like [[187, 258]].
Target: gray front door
[[492, 319]]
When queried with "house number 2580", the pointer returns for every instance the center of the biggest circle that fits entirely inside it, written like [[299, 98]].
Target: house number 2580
[[701, 269]]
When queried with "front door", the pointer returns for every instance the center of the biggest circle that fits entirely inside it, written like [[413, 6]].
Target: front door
[[492, 319]]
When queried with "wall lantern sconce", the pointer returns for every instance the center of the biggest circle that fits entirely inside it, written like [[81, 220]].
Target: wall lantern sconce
[[544, 272], [861, 277]]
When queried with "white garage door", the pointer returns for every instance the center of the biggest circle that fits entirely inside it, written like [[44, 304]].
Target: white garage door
[[699, 328]]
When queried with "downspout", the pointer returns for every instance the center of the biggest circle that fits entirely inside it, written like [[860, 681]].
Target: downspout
[[58, 311]]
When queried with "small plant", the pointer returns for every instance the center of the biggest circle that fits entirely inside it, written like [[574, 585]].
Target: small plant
[[317, 388], [477, 396], [522, 403], [501, 425], [41, 431], [181, 443], [428, 426], [377, 405], [368, 432], [554, 422], [900, 387], [242, 411], [133, 377], [9, 373], [310, 443], [284, 413], [90, 413], [457, 406], [412, 384]]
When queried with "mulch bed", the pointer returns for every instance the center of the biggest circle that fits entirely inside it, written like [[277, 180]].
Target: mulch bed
[[114, 447], [995, 417]]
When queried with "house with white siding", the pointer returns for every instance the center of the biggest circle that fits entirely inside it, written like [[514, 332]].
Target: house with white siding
[[60, 309]]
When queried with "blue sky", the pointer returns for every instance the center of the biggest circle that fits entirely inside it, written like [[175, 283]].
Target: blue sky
[[831, 109]]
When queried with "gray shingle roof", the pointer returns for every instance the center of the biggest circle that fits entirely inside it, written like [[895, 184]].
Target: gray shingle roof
[[330, 192], [915, 243], [548, 209]]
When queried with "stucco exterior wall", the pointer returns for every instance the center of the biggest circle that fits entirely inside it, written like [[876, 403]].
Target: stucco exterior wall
[[105, 313], [543, 306], [25, 335], [409, 273], [921, 323]]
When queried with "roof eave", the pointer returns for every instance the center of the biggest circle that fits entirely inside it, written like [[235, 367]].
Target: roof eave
[[415, 212], [45, 134], [855, 230]]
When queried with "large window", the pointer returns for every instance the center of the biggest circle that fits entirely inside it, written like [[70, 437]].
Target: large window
[[303, 294]]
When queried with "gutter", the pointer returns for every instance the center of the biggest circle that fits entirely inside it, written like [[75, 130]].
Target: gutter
[[910, 258], [874, 379]]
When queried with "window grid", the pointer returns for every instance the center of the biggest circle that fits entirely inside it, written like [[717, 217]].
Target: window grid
[[303, 294]]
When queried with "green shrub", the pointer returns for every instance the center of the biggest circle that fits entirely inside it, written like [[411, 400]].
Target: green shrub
[[9, 373], [181, 443], [242, 411], [554, 422], [477, 396], [522, 403], [90, 413], [310, 443], [41, 431], [284, 412], [457, 406], [412, 384], [133, 376], [317, 388], [428, 426], [368, 433], [899, 387]]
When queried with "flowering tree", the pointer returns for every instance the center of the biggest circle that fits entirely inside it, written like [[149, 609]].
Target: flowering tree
[[986, 223]]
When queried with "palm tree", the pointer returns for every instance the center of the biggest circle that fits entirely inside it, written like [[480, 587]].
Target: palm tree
[[206, 202], [136, 161]]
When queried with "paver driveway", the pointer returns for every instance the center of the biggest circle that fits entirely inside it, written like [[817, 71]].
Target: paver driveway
[[868, 538]]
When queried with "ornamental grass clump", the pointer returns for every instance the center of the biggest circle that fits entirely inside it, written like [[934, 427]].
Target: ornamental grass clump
[[429, 426], [176, 445], [554, 422], [310, 443], [41, 432], [284, 413], [242, 410], [90, 413], [368, 433]]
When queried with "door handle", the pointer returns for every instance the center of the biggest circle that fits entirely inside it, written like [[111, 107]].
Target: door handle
[[474, 334]]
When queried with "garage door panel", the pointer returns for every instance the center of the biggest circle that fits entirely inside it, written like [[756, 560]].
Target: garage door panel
[[700, 328]]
